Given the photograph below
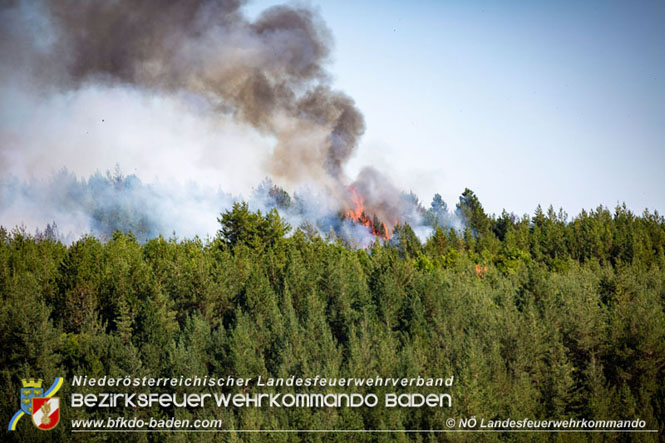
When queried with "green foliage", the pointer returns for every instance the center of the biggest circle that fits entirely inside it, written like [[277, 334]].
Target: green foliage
[[405, 241], [535, 317], [251, 229], [472, 212]]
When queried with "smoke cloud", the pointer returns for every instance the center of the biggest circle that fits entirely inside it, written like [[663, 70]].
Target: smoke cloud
[[268, 73], [195, 70], [108, 202]]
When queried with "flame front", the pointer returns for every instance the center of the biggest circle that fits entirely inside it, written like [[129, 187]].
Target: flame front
[[357, 215]]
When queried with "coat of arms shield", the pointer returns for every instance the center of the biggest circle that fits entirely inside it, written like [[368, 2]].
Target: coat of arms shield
[[46, 412], [27, 394]]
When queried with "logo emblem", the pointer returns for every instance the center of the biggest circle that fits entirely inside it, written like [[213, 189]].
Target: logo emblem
[[47, 412], [44, 408], [30, 390]]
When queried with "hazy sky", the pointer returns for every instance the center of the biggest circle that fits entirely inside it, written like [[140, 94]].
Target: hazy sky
[[559, 102]]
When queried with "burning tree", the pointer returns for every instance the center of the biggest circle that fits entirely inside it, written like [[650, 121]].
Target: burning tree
[[357, 215]]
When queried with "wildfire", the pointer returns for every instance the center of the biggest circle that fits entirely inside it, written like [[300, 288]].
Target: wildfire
[[357, 215]]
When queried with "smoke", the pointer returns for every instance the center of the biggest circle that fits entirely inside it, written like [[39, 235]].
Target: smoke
[[192, 89], [67, 207], [268, 73], [105, 203]]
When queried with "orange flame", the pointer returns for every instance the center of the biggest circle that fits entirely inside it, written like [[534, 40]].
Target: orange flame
[[357, 215]]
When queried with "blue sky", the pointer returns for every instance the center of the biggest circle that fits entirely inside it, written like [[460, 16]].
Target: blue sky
[[558, 103]]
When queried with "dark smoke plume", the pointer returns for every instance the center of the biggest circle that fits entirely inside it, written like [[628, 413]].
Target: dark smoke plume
[[269, 73]]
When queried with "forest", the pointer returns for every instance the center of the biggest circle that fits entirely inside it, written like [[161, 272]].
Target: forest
[[536, 316]]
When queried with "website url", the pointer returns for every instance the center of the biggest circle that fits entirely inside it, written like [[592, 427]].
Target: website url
[[113, 423]]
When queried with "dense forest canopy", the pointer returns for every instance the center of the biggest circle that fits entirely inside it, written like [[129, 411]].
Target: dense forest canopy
[[536, 316]]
